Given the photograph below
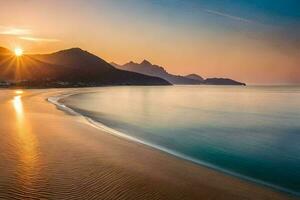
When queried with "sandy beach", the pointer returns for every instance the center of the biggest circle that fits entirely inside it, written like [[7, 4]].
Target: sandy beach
[[46, 153]]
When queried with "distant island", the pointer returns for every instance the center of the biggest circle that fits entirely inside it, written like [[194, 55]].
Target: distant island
[[147, 68], [78, 68]]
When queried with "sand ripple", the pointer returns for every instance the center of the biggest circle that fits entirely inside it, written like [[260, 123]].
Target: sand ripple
[[45, 154]]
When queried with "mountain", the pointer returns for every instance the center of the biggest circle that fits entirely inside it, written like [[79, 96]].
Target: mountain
[[147, 68], [222, 81], [195, 77], [71, 67], [76, 67], [77, 58]]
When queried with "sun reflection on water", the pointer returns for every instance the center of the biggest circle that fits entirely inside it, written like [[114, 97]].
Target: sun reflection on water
[[27, 144], [19, 92], [18, 106]]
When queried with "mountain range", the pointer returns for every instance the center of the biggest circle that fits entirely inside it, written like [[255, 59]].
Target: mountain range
[[78, 68], [145, 67], [67, 68]]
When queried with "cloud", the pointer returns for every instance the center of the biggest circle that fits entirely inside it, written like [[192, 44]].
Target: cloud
[[23, 34], [228, 16], [5, 30], [36, 39]]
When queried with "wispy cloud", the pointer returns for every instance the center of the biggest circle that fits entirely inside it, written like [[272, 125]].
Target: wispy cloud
[[237, 18], [23, 34], [6, 30], [36, 39]]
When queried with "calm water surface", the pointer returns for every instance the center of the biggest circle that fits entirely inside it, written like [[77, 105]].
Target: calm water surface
[[252, 132]]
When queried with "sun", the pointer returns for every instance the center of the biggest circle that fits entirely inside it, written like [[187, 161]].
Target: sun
[[18, 51]]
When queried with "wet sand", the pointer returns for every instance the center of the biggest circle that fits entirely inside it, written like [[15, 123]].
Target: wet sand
[[46, 153]]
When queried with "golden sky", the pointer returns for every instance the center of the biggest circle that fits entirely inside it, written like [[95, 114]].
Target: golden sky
[[209, 38]]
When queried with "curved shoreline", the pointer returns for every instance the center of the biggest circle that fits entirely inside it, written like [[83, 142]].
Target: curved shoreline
[[98, 125]]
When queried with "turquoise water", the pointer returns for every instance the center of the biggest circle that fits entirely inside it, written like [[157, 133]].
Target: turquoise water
[[251, 132]]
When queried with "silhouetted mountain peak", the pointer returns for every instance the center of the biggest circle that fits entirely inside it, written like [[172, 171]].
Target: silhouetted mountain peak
[[75, 57], [131, 62], [222, 81], [145, 67], [145, 62], [114, 64], [73, 51], [194, 77]]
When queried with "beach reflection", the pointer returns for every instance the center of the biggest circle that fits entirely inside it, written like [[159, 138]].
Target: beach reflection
[[26, 144], [18, 106]]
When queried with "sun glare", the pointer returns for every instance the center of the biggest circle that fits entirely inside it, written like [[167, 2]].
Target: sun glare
[[18, 51], [19, 92]]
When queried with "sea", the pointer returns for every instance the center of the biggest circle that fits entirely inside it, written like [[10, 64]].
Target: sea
[[251, 132]]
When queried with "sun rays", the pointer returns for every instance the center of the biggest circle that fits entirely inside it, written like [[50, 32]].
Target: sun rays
[[17, 66]]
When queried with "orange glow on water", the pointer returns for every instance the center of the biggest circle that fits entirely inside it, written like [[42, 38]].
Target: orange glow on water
[[19, 92], [27, 143], [18, 106]]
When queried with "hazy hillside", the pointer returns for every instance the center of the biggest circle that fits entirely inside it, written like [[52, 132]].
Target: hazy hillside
[[222, 81], [147, 68], [195, 77]]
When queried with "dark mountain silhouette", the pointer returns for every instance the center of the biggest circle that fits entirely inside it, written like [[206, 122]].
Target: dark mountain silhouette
[[77, 58], [72, 67], [195, 77], [147, 68], [76, 67], [221, 81]]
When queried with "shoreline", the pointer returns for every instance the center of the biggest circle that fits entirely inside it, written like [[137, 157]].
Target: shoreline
[[99, 125], [49, 154]]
